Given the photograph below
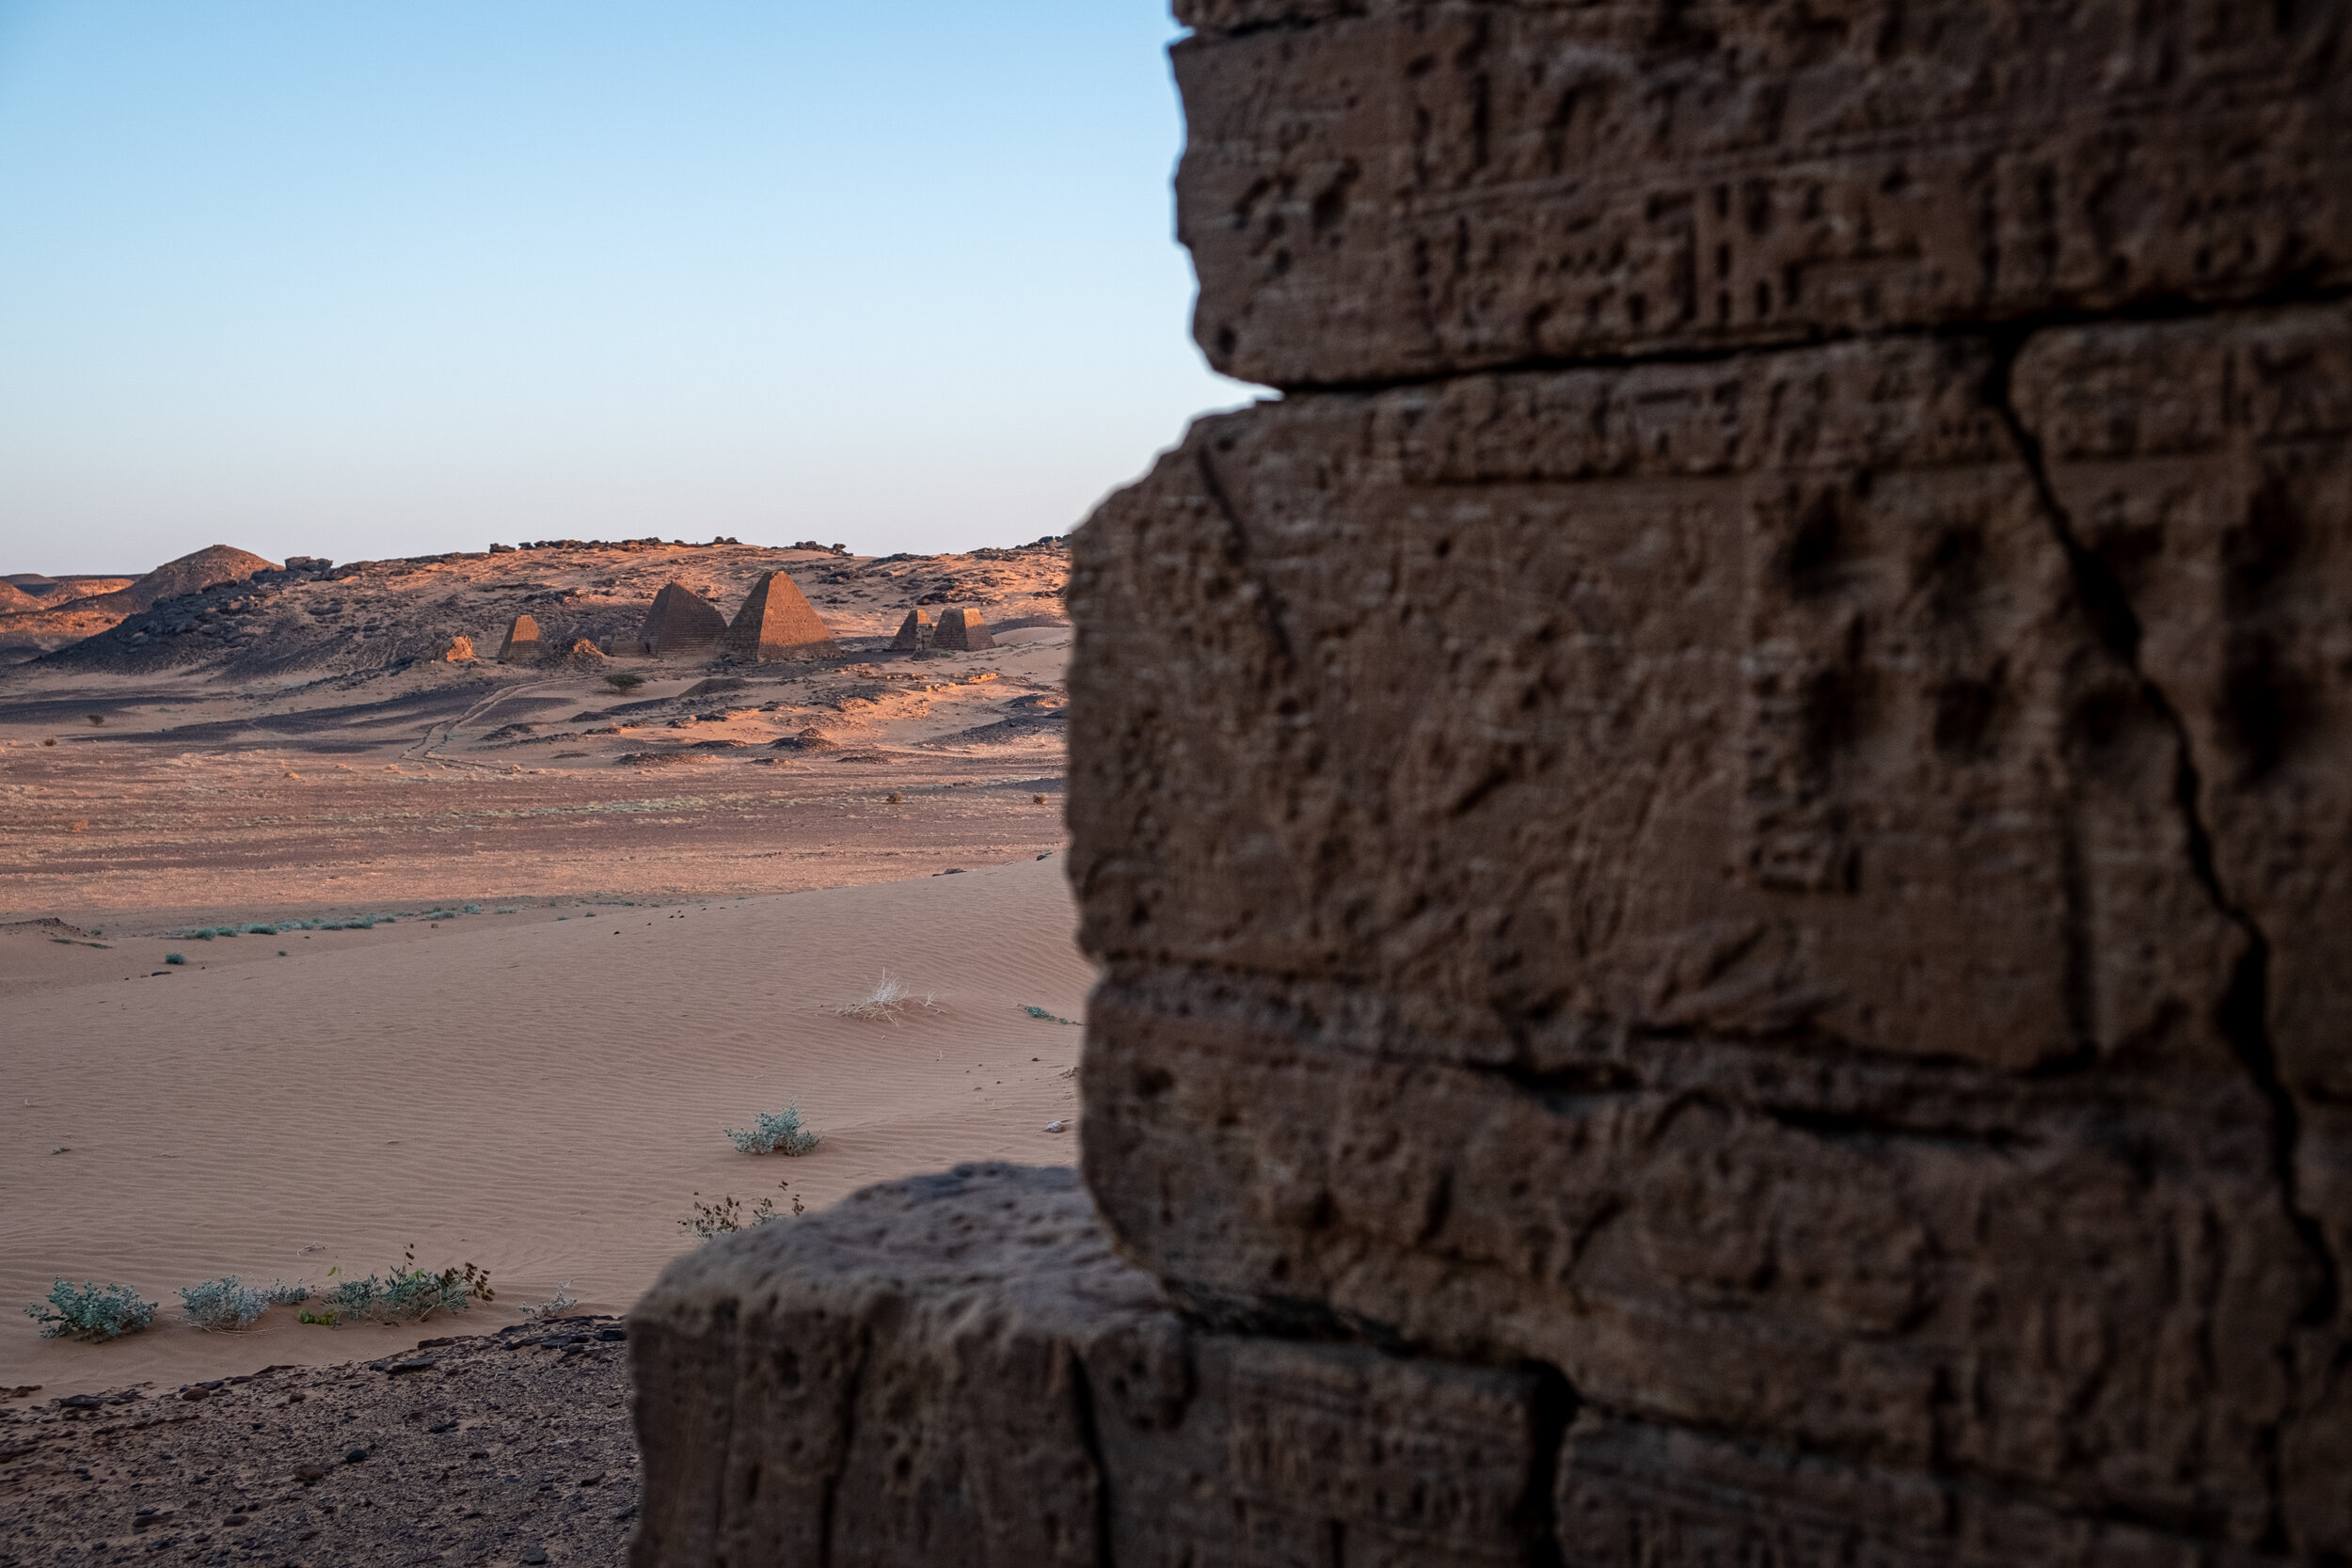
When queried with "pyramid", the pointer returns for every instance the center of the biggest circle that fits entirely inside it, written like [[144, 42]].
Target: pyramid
[[522, 643], [913, 632], [777, 623], [961, 628], [681, 622]]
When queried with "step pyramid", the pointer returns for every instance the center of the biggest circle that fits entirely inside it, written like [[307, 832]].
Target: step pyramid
[[522, 643], [776, 622], [913, 632], [961, 628], [682, 622]]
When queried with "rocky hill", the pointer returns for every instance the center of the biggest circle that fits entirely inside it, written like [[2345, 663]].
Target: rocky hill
[[76, 608], [313, 618]]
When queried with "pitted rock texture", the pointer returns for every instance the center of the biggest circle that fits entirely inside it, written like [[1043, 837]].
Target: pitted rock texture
[[1799, 891], [1381, 189], [956, 1369]]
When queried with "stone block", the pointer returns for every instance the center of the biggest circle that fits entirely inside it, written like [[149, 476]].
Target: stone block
[[1378, 190], [957, 1370], [1675, 873]]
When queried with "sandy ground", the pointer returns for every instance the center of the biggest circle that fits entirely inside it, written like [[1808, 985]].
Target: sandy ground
[[540, 1093], [192, 798], [648, 896]]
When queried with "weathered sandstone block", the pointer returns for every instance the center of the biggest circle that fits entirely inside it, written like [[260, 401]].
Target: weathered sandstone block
[[956, 1369], [1380, 189], [1682, 873]]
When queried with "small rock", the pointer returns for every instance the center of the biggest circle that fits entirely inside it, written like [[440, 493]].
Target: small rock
[[534, 1554], [354, 1456], [1057, 1127]]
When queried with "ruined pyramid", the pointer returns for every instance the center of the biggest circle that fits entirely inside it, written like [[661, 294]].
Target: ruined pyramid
[[522, 645], [776, 622], [913, 632], [961, 628], [681, 622]]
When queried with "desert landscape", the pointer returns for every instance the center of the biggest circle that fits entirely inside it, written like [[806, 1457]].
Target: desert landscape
[[320, 945]]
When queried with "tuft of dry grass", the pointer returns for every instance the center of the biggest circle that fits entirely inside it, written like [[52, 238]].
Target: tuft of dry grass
[[890, 1002]]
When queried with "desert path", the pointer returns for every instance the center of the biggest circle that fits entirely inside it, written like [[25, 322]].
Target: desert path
[[542, 1097]]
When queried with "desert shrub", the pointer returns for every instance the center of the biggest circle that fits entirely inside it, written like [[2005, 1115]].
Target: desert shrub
[[710, 1221], [628, 680], [92, 1313], [404, 1294], [224, 1303], [890, 1001], [175, 958], [556, 1305], [779, 1132], [1044, 1017]]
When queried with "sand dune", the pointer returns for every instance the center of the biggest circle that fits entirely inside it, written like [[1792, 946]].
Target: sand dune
[[542, 1097]]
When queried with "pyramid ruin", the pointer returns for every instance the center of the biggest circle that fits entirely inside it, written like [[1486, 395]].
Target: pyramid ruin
[[522, 645], [961, 630], [681, 622], [913, 632], [777, 622]]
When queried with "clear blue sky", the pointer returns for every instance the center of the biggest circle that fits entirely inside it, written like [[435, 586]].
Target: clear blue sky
[[364, 278]]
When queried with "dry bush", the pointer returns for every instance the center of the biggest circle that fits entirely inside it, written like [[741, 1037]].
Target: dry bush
[[889, 1003]]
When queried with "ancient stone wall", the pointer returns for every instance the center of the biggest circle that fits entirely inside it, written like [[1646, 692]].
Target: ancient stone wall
[[1723, 834]]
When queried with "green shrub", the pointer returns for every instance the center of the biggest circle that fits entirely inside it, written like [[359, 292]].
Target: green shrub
[[175, 958], [224, 1303], [778, 1134], [628, 680], [91, 1312], [406, 1294]]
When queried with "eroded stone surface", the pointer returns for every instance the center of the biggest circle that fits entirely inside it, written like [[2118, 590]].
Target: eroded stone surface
[[1671, 873], [1379, 189], [957, 1370]]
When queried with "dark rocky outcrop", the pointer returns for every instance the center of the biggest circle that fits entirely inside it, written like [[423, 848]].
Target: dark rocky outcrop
[[1734, 809]]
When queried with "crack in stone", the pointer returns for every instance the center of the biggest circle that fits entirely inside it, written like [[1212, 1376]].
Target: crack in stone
[[826, 1510], [1090, 1440], [2244, 1014]]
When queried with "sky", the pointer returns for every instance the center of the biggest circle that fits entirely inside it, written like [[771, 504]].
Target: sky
[[374, 277]]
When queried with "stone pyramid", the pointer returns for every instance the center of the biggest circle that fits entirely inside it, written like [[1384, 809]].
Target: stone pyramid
[[681, 622], [913, 632], [961, 628], [776, 622], [522, 643]]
